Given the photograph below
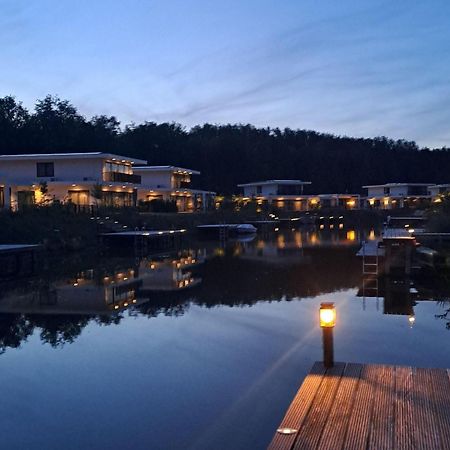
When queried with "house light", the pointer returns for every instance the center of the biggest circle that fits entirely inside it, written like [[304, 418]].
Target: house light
[[371, 201], [327, 315]]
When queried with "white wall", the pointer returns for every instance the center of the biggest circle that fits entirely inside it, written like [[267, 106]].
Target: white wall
[[155, 179], [266, 190], [76, 169]]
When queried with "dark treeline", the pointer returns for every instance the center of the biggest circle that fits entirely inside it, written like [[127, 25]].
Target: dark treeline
[[225, 154]]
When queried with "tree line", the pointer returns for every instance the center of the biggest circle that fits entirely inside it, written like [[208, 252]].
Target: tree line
[[225, 154]]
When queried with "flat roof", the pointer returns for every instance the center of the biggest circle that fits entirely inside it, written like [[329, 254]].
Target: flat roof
[[83, 155], [398, 185], [165, 169], [440, 185], [284, 182]]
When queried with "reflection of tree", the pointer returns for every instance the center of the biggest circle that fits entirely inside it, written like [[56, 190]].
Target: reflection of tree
[[14, 329], [446, 314]]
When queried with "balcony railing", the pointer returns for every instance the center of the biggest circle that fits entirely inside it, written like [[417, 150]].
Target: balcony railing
[[120, 177]]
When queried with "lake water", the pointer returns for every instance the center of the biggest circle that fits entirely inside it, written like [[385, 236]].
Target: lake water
[[201, 348]]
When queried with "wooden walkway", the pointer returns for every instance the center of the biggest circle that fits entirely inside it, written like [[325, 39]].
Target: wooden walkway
[[357, 406]]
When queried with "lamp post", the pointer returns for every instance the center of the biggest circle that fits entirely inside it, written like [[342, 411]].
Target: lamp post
[[327, 316]]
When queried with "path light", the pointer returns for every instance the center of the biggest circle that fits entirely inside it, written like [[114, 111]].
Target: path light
[[327, 316], [411, 320]]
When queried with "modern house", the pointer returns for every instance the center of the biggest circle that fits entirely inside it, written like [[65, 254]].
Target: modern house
[[79, 178], [289, 195], [437, 191], [397, 195], [171, 183]]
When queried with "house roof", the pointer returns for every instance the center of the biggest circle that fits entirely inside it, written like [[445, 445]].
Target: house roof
[[81, 155], [166, 169], [283, 182], [397, 185]]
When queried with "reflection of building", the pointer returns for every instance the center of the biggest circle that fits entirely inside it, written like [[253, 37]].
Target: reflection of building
[[169, 183], [79, 178], [90, 292], [289, 195], [397, 195]]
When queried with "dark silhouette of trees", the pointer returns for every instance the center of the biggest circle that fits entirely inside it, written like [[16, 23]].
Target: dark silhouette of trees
[[225, 154]]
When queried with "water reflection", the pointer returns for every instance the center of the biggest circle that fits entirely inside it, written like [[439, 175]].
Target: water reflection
[[285, 265]]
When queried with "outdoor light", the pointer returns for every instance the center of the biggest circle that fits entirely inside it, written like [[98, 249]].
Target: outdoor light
[[327, 314]]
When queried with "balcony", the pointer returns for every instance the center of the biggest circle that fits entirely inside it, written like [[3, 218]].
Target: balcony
[[120, 177]]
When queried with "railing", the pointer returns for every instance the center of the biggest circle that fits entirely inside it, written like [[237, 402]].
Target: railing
[[121, 177]]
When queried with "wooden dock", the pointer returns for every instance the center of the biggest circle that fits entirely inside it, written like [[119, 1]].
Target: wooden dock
[[357, 406]]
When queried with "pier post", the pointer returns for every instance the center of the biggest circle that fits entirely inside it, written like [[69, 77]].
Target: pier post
[[327, 317]]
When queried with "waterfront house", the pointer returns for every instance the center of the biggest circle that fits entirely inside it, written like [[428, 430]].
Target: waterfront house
[[81, 179], [397, 195], [290, 195], [171, 183]]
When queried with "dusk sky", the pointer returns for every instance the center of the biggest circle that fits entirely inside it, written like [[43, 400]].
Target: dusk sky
[[360, 68]]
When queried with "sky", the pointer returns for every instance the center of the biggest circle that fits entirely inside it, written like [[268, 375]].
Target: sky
[[349, 67]]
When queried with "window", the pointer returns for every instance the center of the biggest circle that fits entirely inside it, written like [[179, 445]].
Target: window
[[45, 169], [259, 189], [2, 197], [387, 191]]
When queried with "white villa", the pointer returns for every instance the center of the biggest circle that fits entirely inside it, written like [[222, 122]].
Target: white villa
[[397, 195], [173, 183], [289, 195], [79, 178], [95, 178]]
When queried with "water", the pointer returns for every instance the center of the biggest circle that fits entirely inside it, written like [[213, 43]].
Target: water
[[201, 348]]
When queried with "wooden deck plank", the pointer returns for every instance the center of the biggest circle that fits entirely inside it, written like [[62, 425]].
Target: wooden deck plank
[[298, 409], [359, 424], [382, 424], [404, 424], [354, 406], [426, 434], [437, 398], [311, 431], [333, 435]]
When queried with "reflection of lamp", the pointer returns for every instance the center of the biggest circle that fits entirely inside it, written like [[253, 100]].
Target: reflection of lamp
[[327, 316]]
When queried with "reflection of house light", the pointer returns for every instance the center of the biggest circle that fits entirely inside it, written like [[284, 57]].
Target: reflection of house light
[[75, 284], [341, 225], [351, 235], [322, 226], [313, 238], [125, 278], [277, 229], [116, 306], [331, 226], [411, 230], [152, 266], [372, 235]]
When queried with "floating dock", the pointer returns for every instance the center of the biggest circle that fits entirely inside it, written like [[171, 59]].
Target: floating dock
[[143, 240], [358, 406]]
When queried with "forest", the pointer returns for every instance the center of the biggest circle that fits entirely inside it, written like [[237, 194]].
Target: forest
[[225, 154]]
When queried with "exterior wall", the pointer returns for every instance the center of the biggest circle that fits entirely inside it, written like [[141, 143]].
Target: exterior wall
[[156, 179], [76, 169], [266, 190]]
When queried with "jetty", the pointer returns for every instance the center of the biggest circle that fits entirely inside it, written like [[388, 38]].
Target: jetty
[[359, 406], [141, 240]]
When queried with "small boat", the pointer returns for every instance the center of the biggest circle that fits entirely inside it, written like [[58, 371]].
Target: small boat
[[246, 228]]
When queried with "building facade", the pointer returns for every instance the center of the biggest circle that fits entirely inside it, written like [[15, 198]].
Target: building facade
[[171, 183], [81, 179], [397, 195], [289, 195]]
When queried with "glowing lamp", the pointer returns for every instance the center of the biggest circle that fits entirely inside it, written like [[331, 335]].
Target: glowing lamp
[[327, 315]]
